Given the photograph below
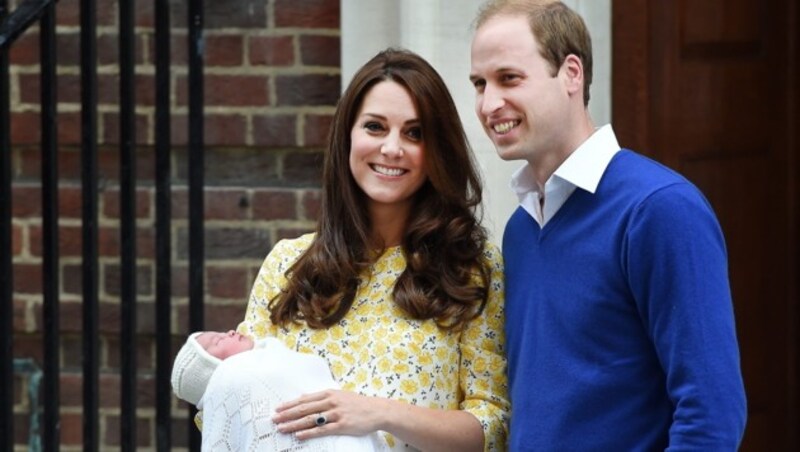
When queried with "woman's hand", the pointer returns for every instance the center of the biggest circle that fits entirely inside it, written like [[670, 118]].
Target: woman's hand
[[348, 413], [338, 412]]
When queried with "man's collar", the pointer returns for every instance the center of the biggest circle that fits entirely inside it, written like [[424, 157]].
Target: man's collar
[[583, 168]]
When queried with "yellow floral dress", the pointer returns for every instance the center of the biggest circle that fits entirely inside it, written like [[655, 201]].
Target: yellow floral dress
[[377, 350]]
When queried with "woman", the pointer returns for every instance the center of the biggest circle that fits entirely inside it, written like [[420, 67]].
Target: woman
[[398, 288]]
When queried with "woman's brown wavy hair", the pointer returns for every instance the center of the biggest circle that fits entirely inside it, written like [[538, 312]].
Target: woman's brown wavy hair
[[443, 240]]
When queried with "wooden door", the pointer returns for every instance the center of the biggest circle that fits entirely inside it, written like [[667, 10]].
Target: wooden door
[[710, 88]]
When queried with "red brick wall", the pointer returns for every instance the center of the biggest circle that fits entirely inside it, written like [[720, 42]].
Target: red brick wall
[[272, 80]]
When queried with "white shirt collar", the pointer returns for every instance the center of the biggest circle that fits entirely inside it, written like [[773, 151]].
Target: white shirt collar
[[586, 165], [583, 168]]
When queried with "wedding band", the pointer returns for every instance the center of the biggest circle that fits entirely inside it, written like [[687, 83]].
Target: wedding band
[[320, 420]]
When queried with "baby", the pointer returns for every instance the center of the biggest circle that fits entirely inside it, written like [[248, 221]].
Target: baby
[[238, 382]]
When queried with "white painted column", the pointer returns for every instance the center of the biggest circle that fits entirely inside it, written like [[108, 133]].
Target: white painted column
[[441, 32]]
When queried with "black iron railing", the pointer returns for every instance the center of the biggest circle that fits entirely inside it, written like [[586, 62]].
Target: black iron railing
[[196, 163], [163, 235], [6, 260], [89, 185], [127, 222], [12, 25], [50, 257]]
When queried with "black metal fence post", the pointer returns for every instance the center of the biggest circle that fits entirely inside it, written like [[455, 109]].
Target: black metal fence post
[[50, 273], [6, 267], [89, 196], [163, 233], [196, 198], [127, 224], [196, 162]]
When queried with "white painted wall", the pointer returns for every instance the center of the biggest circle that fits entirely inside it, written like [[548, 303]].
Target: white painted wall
[[441, 32]]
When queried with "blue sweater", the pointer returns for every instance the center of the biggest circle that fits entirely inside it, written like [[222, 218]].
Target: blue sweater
[[619, 320]]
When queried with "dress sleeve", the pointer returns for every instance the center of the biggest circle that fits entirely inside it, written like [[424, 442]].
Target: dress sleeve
[[678, 272], [483, 379], [268, 284]]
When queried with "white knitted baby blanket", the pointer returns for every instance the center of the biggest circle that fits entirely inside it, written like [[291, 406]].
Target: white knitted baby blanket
[[245, 389]]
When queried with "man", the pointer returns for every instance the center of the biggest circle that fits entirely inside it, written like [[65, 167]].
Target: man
[[619, 320]]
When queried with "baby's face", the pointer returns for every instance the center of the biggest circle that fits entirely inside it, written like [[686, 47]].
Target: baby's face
[[222, 345]]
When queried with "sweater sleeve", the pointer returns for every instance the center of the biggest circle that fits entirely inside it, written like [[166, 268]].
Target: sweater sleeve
[[678, 273], [482, 376]]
